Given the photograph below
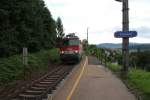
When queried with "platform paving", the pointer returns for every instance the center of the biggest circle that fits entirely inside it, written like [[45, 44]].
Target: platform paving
[[96, 83]]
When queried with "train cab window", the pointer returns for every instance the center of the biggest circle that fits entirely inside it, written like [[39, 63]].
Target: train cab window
[[71, 42]]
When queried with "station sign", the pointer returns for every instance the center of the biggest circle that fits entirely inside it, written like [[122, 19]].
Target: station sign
[[122, 34]]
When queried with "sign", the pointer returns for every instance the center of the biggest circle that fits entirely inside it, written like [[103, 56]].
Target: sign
[[122, 34]]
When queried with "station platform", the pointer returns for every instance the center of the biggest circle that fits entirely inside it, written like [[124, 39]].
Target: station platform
[[92, 81]]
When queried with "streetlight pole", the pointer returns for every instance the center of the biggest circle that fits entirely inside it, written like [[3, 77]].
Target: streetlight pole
[[87, 34], [125, 40]]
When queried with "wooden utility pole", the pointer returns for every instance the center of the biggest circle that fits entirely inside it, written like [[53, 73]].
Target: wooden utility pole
[[87, 46], [87, 35], [125, 34], [125, 40]]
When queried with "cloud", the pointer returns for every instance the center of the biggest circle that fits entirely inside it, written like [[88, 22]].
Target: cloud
[[143, 32], [103, 17]]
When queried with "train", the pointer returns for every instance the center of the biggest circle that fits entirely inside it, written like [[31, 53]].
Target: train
[[71, 49]]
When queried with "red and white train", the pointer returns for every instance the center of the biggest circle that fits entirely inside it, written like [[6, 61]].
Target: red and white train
[[71, 49]]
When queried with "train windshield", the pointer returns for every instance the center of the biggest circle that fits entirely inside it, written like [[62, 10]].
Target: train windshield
[[71, 42]]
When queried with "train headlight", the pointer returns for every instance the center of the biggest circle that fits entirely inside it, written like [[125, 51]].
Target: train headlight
[[62, 52], [76, 51]]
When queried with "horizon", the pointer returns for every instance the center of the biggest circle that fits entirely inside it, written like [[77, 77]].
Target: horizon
[[120, 43]]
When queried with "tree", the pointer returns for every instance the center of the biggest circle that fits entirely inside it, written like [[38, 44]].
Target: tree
[[60, 30], [25, 23]]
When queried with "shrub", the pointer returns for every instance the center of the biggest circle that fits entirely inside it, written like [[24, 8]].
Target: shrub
[[12, 69]]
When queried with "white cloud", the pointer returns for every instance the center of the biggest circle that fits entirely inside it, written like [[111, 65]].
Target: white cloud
[[103, 17]]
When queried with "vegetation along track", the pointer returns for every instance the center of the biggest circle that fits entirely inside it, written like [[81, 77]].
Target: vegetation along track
[[39, 89]]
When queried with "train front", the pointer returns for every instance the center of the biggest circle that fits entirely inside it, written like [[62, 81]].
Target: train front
[[71, 49]]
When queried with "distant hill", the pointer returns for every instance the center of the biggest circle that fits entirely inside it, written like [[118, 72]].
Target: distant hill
[[119, 45], [140, 46], [110, 45]]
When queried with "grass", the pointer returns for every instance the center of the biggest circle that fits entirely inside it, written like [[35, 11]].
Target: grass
[[137, 79], [113, 67], [12, 69], [140, 80]]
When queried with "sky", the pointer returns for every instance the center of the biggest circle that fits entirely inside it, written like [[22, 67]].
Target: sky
[[102, 17]]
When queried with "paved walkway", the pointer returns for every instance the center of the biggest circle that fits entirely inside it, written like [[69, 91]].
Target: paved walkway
[[97, 83]]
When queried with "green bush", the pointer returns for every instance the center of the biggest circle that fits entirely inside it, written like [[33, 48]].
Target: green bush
[[140, 80], [12, 69], [140, 59], [113, 67]]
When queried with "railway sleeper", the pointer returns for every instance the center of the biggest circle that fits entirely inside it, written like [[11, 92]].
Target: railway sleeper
[[51, 77], [30, 97], [32, 93], [46, 82], [38, 88], [54, 75], [49, 80], [43, 85], [60, 72]]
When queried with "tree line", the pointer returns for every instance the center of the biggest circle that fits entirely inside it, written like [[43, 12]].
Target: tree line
[[140, 59], [27, 23]]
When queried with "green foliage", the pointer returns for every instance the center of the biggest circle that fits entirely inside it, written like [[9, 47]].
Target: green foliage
[[54, 55], [113, 67], [60, 32], [60, 29], [140, 80], [137, 59], [12, 69], [104, 55], [25, 23], [85, 44], [140, 59], [119, 58]]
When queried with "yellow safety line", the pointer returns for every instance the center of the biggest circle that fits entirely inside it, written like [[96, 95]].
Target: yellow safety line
[[76, 83]]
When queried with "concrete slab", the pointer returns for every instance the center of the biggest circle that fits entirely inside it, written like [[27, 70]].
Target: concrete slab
[[96, 83]]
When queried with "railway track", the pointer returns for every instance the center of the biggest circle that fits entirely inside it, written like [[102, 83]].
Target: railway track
[[39, 89]]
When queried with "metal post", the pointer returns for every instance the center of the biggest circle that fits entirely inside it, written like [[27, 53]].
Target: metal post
[[87, 42], [87, 34], [125, 27], [105, 57], [25, 60], [25, 54]]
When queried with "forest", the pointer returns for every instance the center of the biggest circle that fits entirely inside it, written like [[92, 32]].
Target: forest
[[27, 23]]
